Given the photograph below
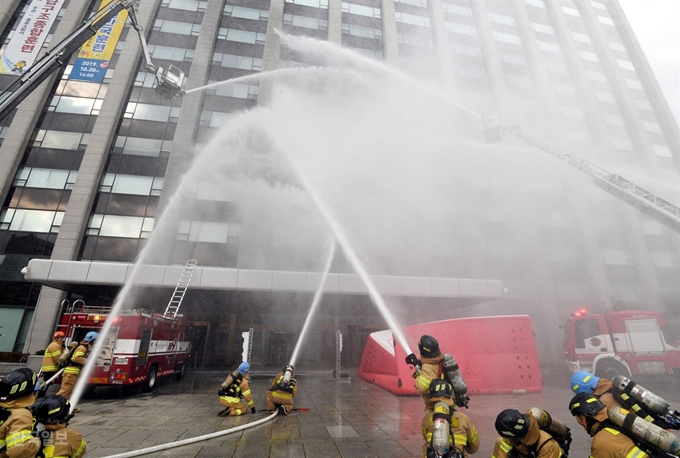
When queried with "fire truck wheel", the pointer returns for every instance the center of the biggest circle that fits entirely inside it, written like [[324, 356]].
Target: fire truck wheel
[[151, 380], [610, 369], [179, 375]]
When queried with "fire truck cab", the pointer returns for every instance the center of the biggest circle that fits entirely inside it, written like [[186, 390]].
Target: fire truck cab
[[630, 342], [140, 347]]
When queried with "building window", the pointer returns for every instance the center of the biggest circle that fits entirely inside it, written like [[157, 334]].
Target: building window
[[412, 19], [240, 62], [460, 28], [32, 177], [306, 22], [241, 36], [625, 64], [120, 226], [170, 53], [652, 127], [361, 10], [605, 21], [180, 28], [633, 84], [501, 19], [550, 47], [617, 46], [589, 56], [361, 31], [148, 112], [59, 139], [14, 219], [662, 150], [203, 231], [605, 97], [239, 91], [581, 37], [570, 11], [311, 3], [185, 5], [246, 13], [507, 38], [131, 184], [422, 3], [536, 3], [136, 146], [457, 9], [543, 28]]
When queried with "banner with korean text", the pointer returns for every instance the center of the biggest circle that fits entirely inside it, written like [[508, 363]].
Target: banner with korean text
[[94, 56], [29, 36]]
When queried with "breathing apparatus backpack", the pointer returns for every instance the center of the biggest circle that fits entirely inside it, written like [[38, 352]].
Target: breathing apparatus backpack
[[644, 403], [231, 385], [647, 436], [551, 425]]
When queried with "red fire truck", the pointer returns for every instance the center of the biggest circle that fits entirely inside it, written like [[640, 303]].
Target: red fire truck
[[140, 347], [630, 342]]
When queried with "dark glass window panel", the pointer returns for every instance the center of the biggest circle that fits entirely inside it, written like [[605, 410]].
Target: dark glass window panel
[[54, 159], [42, 199], [152, 206], [115, 249], [137, 165], [15, 197], [30, 243], [19, 293], [101, 203], [127, 205], [66, 122], [87, 249]]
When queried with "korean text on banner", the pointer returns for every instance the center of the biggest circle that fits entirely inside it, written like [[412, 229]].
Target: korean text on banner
[[29, 36], [94, 56]]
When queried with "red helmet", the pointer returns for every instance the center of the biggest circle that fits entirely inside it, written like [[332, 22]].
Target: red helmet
[[58, 334]]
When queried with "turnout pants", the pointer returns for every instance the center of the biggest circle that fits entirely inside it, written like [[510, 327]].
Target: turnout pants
[[68, 381]]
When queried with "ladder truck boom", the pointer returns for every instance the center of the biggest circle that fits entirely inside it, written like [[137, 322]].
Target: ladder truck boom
[[634, 195], [168, 82]]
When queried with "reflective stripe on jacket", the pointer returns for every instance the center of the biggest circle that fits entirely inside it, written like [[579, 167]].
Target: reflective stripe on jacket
[[78, 360], [51, 357], [611, 443]]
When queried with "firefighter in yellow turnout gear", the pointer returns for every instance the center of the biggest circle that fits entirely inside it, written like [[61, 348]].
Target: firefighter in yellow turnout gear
[[76, 363], [16, 421], [52, 417], [608, 440], [234, 387], [522, 437], [282, 392], [50, 362], [462, 434]]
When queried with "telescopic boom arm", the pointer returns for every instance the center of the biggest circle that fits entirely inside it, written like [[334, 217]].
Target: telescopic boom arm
[[168, 82]]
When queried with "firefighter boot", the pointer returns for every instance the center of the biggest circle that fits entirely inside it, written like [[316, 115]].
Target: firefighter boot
[[224, 412]]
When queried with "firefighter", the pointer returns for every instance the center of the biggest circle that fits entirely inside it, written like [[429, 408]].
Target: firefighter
[[50, 363], [608, 440], [234, 387], [602, 389], [461, 431], [75, 364], [521, 437], [430, 364], [58, 440], [16, 421], [282, 392]]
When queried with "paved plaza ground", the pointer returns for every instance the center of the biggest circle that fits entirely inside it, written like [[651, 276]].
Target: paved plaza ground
[[356, 419]]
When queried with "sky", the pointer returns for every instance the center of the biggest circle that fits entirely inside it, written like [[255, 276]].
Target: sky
[[656, 24]]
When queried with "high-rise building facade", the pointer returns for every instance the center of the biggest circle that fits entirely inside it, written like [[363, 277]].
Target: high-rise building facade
[[86, 167]]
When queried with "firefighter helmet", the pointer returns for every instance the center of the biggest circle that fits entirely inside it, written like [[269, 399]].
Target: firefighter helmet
[[58, 335], [428, 347], [52, 409], [244, 368], [441, 388], [584, 382], [511, 423], [17, 384], [585, 404], [91, 336]]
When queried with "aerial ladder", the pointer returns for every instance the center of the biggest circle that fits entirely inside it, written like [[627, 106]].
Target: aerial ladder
[[634, 195], [169, 81]]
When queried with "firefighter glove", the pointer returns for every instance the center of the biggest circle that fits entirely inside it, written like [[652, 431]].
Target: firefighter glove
[[412, 360], [221, 392], [253, 410]]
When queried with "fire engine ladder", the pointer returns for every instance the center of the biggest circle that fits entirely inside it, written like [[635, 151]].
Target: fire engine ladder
[[636, 196], [180, 290]]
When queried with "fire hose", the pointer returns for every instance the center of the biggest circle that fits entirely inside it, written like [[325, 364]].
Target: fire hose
[[191, 440]]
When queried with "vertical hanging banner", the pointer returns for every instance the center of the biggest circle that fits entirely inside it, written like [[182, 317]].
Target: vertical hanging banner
[[29, 36], [94, 56]]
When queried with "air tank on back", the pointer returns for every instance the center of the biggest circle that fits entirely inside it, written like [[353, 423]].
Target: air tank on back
[[646, 398], [549, 423], [648, 432], [440, 442], [453, 375]]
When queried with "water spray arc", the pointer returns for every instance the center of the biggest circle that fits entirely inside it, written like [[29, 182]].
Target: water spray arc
[[315, 304], [353, 259]]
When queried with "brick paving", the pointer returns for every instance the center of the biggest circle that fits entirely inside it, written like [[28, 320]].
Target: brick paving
[[351, 420]]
